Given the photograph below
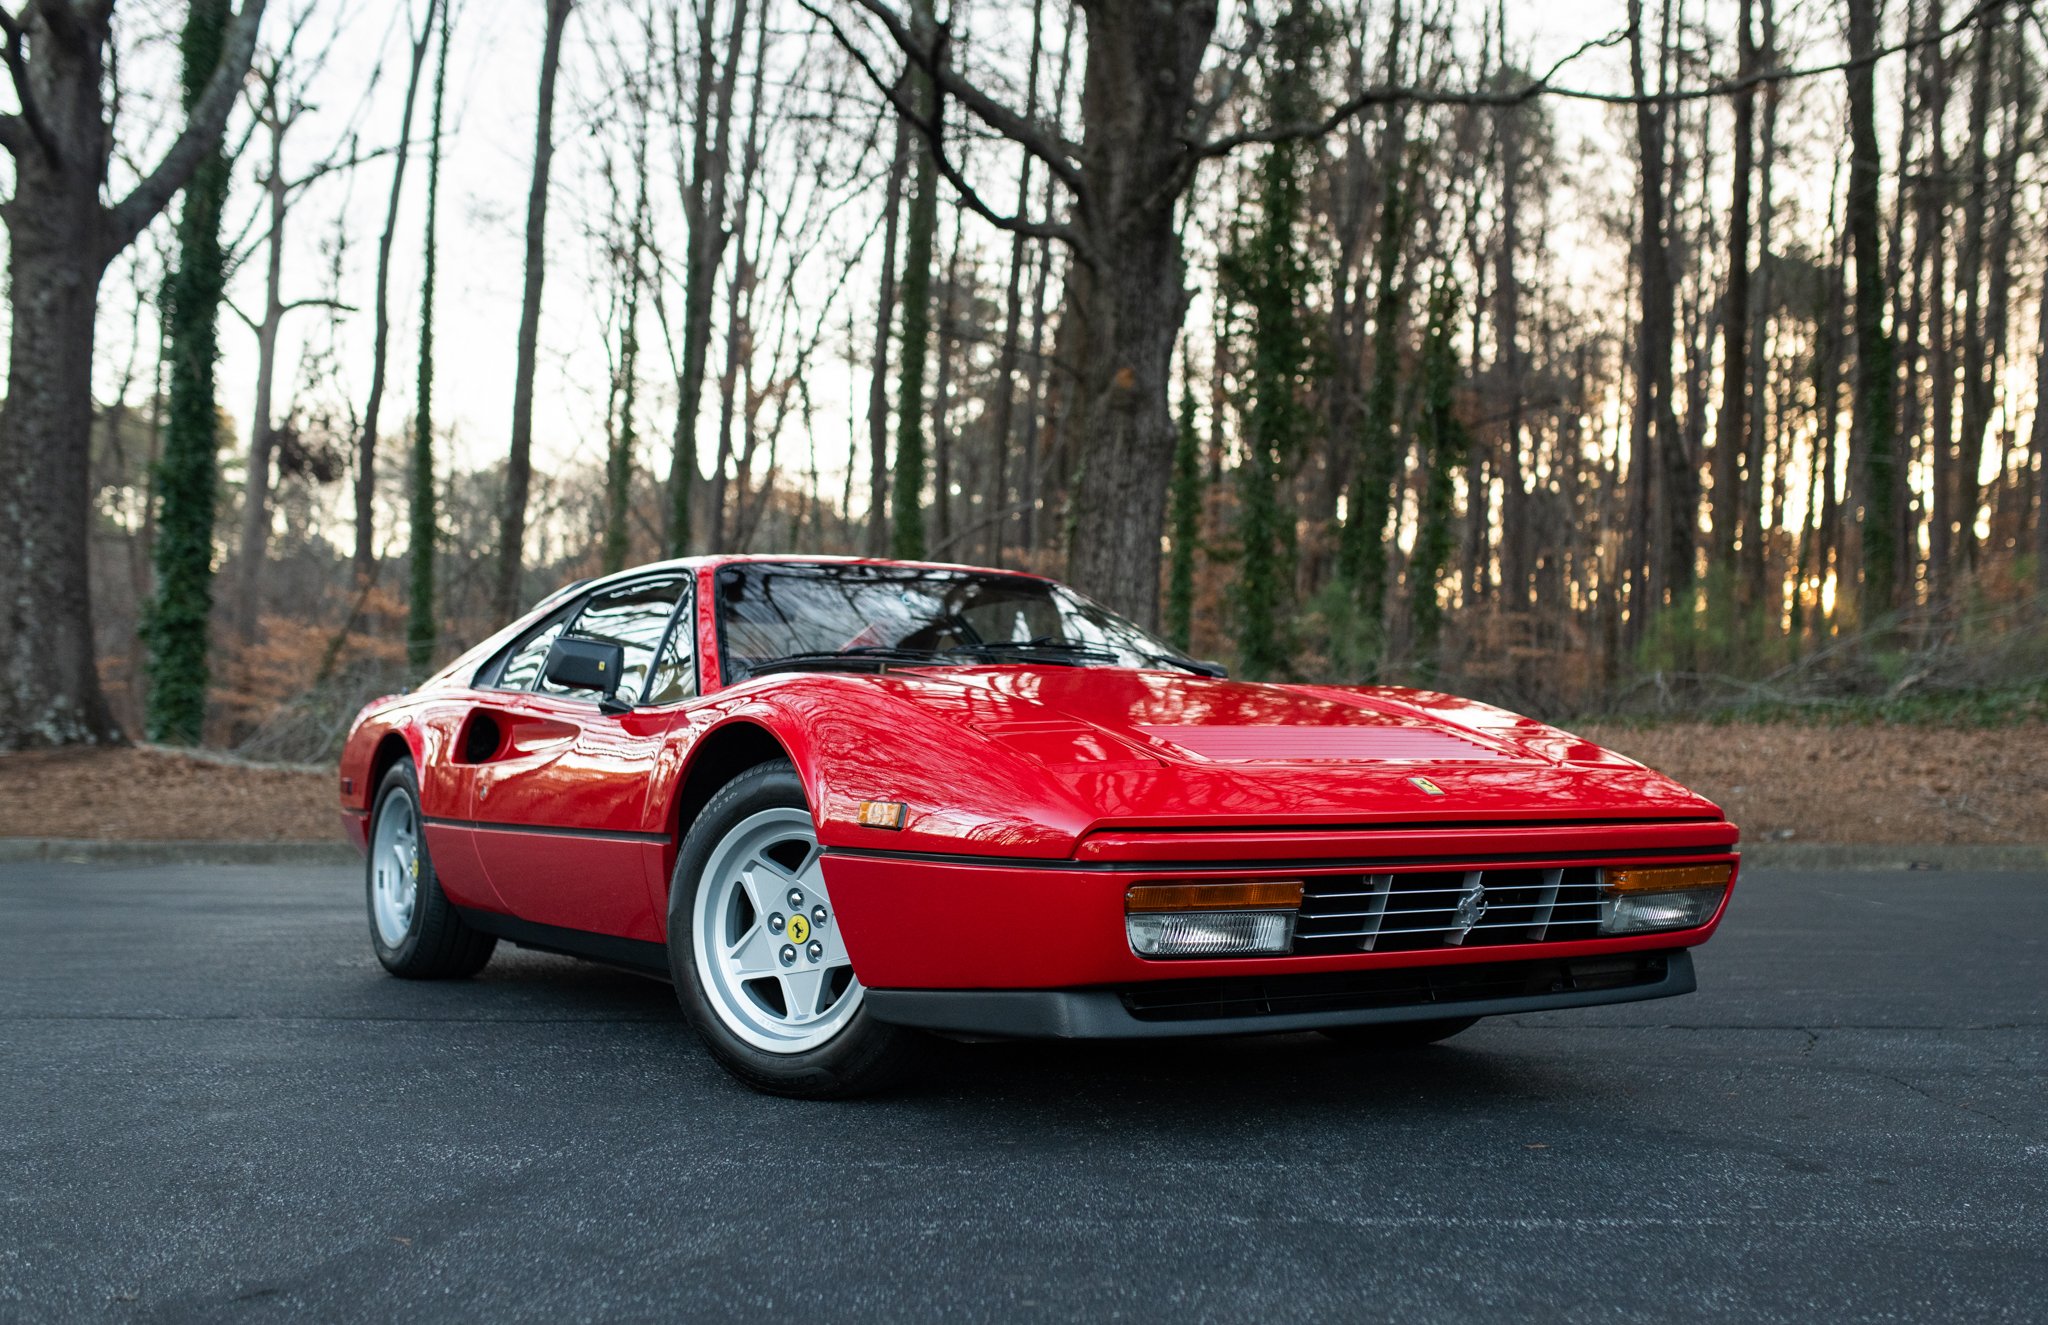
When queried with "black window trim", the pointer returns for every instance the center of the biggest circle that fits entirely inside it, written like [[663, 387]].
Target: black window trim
[[487, 677]]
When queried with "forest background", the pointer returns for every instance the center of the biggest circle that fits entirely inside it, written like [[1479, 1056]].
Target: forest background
[[1644, 359]]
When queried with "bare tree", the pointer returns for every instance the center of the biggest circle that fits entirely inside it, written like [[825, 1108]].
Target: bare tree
[[366, 448], [519, 464]]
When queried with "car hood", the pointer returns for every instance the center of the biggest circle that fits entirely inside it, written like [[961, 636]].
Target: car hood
[[1166, 749]]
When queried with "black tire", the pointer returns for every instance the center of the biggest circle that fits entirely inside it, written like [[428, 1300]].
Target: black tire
[[1393, 1035], [864, 1057], [438, 944]]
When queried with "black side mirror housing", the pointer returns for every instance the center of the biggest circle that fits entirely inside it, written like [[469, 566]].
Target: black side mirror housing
[[576, 662]]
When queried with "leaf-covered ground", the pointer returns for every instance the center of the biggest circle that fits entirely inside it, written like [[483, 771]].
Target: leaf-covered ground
[[1859, 784]]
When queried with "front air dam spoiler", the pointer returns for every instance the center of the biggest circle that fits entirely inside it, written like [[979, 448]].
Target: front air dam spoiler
[[1274, 1004]]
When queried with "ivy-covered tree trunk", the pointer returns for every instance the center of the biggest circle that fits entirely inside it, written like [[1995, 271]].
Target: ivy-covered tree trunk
[[1442, 443], [1270, 275], [188, 473], [1362, 553], [420, 628], [906, 506]]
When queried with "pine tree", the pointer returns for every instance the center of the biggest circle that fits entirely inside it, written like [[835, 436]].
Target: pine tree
[[188, 473], [419, 626]]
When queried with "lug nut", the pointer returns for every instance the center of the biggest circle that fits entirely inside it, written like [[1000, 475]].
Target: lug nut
[[775, 923], [816, 950], [789, 954], [796, 898], [817, 915]]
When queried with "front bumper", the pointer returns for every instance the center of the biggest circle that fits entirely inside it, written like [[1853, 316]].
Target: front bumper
[[1263, 1006], [925, 923]]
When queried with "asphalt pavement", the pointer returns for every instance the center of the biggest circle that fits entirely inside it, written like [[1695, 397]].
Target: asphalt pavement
[[214, 1104]]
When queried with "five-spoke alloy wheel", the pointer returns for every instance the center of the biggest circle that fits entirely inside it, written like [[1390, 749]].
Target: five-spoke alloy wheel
[[760, 964]]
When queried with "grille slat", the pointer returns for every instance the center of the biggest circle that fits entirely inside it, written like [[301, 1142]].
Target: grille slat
[[1421, 909]]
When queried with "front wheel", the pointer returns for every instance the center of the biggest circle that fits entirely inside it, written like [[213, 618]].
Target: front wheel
[[754, 944]]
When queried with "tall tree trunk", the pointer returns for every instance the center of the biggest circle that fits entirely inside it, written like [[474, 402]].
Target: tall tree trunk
[[1138, 88], [188, 475], [1002, 425], [61, 238], [1978, 366], [364, 561], [256, 482], [1871, 436], [1662, 530], [942, 395], [1512, 366], [704, 199], [519, 464], [420, 628], [619, 463], [906, 511], [1731, 425], [878, 380]]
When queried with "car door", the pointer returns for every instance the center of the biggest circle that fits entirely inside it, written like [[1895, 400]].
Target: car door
[[561, 806]]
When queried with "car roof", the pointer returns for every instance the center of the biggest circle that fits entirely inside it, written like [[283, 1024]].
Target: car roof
[[715, 560]]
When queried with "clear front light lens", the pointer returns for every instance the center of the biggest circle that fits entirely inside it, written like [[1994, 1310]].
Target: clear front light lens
[[1210, 933], [1641, 913]]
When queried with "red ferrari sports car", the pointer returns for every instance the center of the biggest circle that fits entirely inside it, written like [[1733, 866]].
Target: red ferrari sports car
[[845, 804]]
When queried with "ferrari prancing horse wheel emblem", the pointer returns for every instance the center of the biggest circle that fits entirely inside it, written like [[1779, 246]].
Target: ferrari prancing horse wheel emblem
[[799, 928]]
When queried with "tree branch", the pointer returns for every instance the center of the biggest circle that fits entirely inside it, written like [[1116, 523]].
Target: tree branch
[[201, 134], [1388, 94], [898, 96], [1057, 154], [31, 114]]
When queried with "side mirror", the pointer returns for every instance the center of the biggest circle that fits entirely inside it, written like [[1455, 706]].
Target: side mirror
[[578, 663]]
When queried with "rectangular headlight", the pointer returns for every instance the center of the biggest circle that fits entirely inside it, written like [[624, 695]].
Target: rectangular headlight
[[1235, 919], [1644, 899]]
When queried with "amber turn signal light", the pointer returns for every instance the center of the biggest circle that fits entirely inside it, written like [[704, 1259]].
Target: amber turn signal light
[[1668, 878], [881, 814], [1266, 895]]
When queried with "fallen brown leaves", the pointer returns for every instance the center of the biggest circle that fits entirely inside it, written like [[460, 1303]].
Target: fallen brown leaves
[[1906, 785]]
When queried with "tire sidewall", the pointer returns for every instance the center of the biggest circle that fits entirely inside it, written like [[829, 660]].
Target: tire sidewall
[[819, 1070], [403, 781]]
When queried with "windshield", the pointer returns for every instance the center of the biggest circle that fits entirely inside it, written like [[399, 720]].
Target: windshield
[[777, 613]]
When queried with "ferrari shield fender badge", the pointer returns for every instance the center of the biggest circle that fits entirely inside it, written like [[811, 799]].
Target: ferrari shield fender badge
[[1427, 787]]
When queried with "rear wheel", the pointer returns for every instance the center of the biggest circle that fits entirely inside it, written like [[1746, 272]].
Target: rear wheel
[[1400, 1034], [754, 945], [414, 929]]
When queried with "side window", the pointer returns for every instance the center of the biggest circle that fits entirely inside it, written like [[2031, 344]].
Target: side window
[[522, 668], [632, 616], [675, 672]]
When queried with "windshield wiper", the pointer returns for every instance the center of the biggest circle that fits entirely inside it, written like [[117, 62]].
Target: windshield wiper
[[875, 656], [1043, 649]]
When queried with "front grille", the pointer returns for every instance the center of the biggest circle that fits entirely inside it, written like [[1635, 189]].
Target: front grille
[[1413, 986], [1416, 910]]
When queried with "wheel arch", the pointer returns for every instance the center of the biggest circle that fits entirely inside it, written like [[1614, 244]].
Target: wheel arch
[[391, 747], [722, 754]]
